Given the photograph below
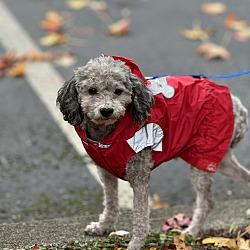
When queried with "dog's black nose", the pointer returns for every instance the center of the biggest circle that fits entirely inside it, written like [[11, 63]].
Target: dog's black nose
[[106, 112]]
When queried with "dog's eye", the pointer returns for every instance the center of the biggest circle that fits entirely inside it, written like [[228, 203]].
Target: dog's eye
[[118, 91], [92, 91]]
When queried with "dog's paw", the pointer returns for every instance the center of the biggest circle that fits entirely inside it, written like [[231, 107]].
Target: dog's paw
[[194, 231], [97, 229], [136, 244]]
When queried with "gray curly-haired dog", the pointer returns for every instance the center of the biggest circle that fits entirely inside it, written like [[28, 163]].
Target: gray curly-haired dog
[[129, 125]]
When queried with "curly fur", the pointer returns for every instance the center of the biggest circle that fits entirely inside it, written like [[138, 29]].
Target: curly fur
[[95, 98]]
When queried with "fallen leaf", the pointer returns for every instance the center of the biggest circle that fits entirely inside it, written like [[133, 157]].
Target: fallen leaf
[[195, 34], [217, 241], [179, 221], [212, 51], [66, 60], [242, 35], [119, 28], [230, 20], [157, 203], [17, 70], [7, 60], [52, 22], [119, 233], [213, 8], [35, 247], [53, 39], [236, 243], [77, 4], [35, 56], [98, 6], [243, 244], [180, 244]]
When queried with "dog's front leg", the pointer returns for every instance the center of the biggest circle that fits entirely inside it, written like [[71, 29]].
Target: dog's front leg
[[107, 219], [138, 173]]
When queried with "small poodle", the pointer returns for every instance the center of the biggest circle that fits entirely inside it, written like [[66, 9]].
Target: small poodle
[[130, 124]]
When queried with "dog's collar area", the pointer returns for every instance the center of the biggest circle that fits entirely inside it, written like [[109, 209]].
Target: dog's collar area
[[100, 145]]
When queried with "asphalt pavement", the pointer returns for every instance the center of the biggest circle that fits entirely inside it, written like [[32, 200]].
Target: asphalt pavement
[[42, 175]]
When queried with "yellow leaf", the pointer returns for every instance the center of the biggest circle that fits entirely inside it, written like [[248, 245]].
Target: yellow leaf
[[152, 248], [194, 34], [179, 241], [213, 8], [78, 4], [119, 28], [66, 60], [157, 203], [53, 39], [243, 244], [217, 241], [17, 70]]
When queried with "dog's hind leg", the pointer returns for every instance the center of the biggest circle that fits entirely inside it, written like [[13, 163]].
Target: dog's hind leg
[[137, 174], [111, 208], [202, 183], [231, 168]]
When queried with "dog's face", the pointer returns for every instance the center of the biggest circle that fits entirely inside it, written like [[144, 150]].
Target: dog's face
[[104, 90], [101, 91]]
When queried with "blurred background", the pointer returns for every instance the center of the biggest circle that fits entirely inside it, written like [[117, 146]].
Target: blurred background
[[42, 173]]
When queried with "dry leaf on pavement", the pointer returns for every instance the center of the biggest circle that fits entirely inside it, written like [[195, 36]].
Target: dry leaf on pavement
[[17, 70], [195, 34], [213, 8], [119, 28], [7, 60], [241, 27], [233, 22], [212, 51], [53, 39], [98, 6], [77, 4], [66, 60], [52, 22], [157, 203]]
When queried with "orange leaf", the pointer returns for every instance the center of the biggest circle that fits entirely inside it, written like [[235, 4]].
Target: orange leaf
[[17, 70], [213, 8], [212, 51], [34, 55], [157, 203], [230, 20], [53, 21]]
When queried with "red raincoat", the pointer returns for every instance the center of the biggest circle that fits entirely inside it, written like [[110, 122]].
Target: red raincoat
[[191, 119]]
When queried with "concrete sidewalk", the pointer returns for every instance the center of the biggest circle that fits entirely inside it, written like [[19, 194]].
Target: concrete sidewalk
[[68, 229]]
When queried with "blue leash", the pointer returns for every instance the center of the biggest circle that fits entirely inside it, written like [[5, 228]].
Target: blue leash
[[206, 76]]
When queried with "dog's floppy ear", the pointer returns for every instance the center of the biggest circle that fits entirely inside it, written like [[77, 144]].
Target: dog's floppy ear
[[68, 103], [142, 99]]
